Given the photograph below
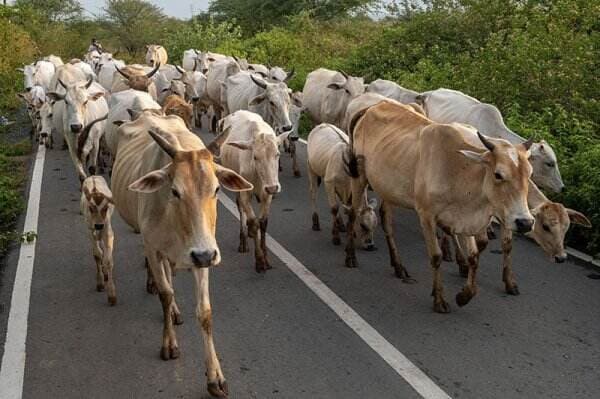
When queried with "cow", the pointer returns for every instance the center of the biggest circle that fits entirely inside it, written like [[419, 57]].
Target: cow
[[40, 73], [189, 61], [392, 90], [97, 207], [326, 152], [252, 150], [135, 78], [165, 184], [55, 60], [277, 74], [258, 69], [415, 163], [156, 55], [176, 88], [87, 70], [367, 100], [83, 116], [92, 58], [33, 99], [327, 94], [296, 110], [45, 128], [105, 70], [246, 91], [175, 105], [217, 74], [446, 106]]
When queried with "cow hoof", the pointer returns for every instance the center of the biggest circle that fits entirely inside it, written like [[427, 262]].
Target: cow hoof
[[514, 290], [243, 248], [167, 353], [177, 319], [408, 280], [100, 287], [112, 300], [370, 248], [151, 288], [351, 262], [463, 297], [441, 307], [297, 173], [315, 222], [336, 241], [316, 227], [218, 389], [447, 256]]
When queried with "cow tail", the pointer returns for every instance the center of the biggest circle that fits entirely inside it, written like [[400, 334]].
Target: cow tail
[[350, 159]]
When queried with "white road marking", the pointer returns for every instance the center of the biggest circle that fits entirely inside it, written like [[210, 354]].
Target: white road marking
[[13, 360], [400, 363]]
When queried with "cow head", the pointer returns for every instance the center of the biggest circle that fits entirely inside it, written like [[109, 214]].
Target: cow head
[[552, 221], [175, 105], [195, 83], [100, 205], [347, 86], [277, 74], [28, 76], [45, 122], [76, 101], [138, 82], [274, 103], [189, 185], [506, 181], [366, 223], [545, 167], [153, 58]]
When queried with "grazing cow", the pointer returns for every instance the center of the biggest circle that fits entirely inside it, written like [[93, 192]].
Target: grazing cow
[[218, 73], [45, 131], [415, 163], [156, 55], [327, 148], [446, 106], [85, 111], [327, 94], [277, 74], [135, 78], [252, 150], [57, 61], [392, 90], [40, 73], [165, 184], [246, 91], [175, 105], [97, 207]]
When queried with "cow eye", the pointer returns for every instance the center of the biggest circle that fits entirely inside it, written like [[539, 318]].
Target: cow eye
[[550, 164], [272, 103], [175, 193], [498, 176], [86, 102], [347, 91], [49, 115], [546, 227]]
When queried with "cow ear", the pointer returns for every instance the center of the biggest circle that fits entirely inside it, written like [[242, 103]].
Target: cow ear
[[242, 145], [334, 86], [231, 180], [96, 96], [257, 100], [55, 96], [473, 156], [151, 182], [20, 69], [578, 218]]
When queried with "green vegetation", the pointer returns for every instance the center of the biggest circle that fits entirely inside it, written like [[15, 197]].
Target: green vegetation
[[536, 60]]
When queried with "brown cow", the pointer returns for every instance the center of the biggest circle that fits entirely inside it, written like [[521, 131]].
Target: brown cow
[[175, 105]]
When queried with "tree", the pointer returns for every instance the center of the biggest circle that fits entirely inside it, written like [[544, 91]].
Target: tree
[[134, 22], [255, 15], [54, 10]]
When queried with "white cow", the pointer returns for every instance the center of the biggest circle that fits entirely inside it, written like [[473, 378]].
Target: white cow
[[218, 72], [57, 61], [156, 55], [277, 74], [327, 149], [445, 106], [327, 94], [39, 73], [46, 127], [392, 90], [252, 150], [87, 70], [105, 70]]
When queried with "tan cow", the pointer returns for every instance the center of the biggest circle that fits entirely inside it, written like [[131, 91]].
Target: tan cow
[[97, 207], [175, 105], [165, 184], [156, 55], [326, 150], [135, 78], [414, 163], [252, 150]]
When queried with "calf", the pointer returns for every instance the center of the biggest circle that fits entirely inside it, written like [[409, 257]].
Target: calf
[[97, 207], [175, 105], [327, 148]]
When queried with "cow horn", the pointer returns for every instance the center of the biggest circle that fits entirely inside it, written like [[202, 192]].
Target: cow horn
[[527, 145], [259, 83], [486, 142], [121, 72], [344, 74], [195, 64], [62, 84], [89, 82], [152, 72], [84, 135], [215, 146], [163, 143], [197, 52], [290, 75], [180, 69]]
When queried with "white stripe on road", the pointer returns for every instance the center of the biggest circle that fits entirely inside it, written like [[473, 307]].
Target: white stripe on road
[[400, 363], [13, 360]]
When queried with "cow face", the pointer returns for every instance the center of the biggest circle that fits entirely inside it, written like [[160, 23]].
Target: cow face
[[45, 122], [278, 75], [176, 106], [274, 103], [348, 87], [545, 167], [366, 223], [506, 181], [99, 205], [195, 84], [76, 101], [552, 221], [28, 76], [187, 188], [152, 55], [138, 81]]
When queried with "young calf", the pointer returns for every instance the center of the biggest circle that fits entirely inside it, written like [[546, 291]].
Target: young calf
[[327, 147], [97, 207], [175, 105]]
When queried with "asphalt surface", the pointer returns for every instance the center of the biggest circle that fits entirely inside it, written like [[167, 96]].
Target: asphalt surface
[[276, 338]]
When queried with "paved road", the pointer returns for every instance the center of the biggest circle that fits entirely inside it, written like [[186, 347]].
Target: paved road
[[277, 339]]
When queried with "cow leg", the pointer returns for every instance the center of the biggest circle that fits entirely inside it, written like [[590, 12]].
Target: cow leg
[[386, 214], [313, 186], [98, 258], [294, 156], [93, 155], [470, 289], [170, 348], [336, 219], [445, 245], [358, 186], [150, 285], [461, 260], [265, 206], [253, 230], [508, 277], [428, 226], [108, 241], [168, 268], [243, 227], [216, 383]]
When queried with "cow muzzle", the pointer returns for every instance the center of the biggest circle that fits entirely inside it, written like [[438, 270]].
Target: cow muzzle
[[76, 128], [524, 225], [204, 258], [99, 226], [273, 189]]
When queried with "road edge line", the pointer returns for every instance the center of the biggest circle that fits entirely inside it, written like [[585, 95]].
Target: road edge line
[[12, 368], [416, 378]]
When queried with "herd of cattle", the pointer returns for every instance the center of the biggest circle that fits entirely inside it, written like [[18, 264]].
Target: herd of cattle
[[442, 153]]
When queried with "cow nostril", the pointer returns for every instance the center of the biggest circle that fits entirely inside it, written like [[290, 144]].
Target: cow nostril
[[524, 225], [195, 98], [203, 258], [98, 226], [76, 128]]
